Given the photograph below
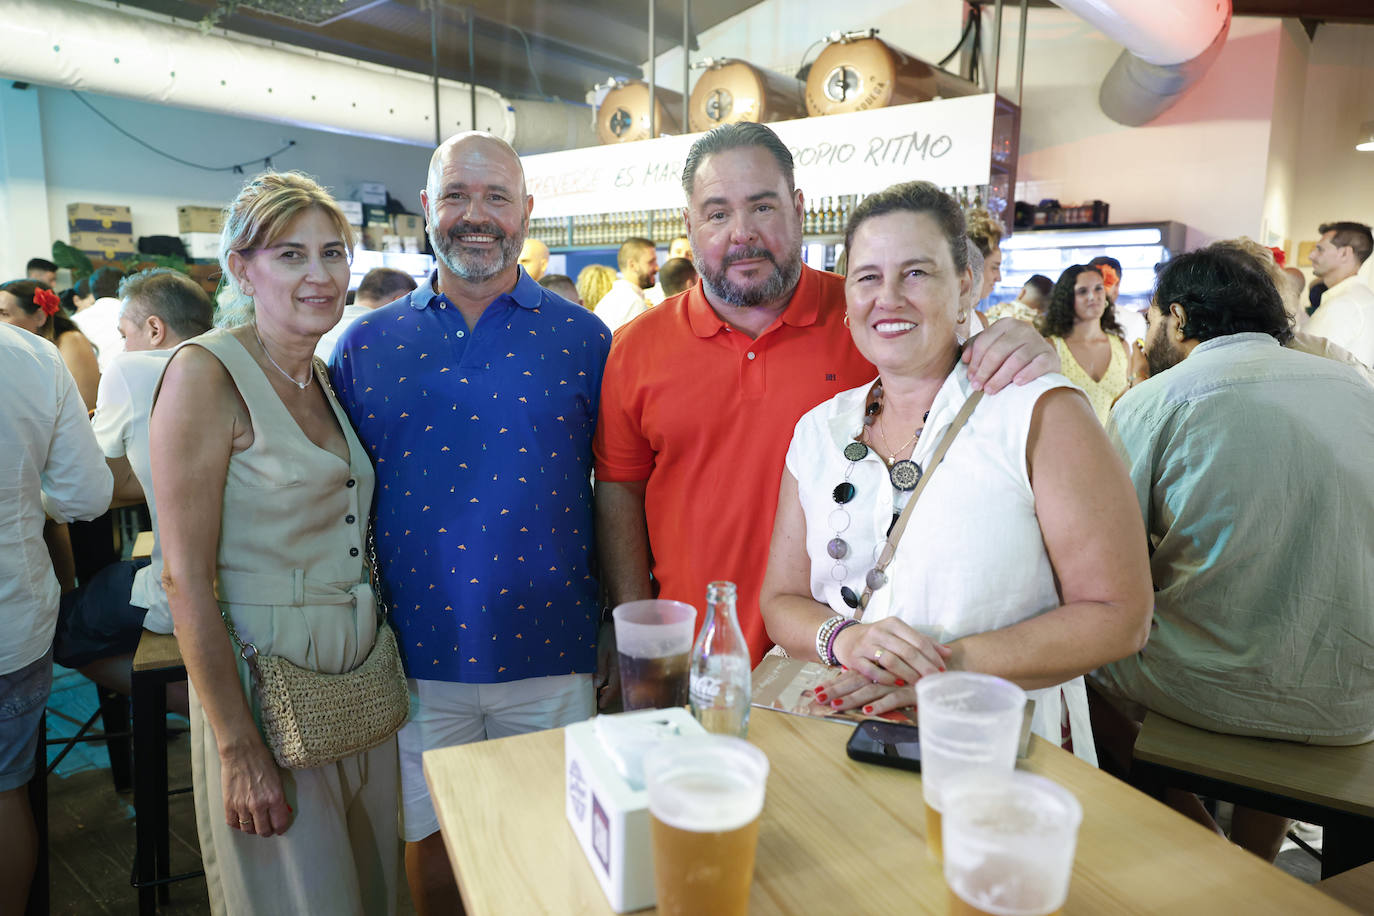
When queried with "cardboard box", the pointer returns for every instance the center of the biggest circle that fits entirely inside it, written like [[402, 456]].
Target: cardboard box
[[372, 192], [111, 219], [374, 215], [408, 225], [373, 237], [352, 210], [112, 246], [201, 245], [200, 219], [608, 816]]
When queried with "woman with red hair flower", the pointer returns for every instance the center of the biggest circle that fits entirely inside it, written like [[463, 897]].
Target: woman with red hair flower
[[33, 306], [1080, 324]]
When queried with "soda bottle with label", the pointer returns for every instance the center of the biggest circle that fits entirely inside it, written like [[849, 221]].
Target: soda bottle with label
[[720, 684]]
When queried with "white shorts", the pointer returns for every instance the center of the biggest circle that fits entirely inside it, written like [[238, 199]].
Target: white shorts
[[444, 713]]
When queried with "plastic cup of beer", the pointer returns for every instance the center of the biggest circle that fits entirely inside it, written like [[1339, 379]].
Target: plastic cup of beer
[[1009, 845], [705, 797], [970, 723], [654, 641]]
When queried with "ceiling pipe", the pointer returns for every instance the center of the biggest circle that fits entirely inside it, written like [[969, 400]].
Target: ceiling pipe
[[1168, 45], [96, 47]]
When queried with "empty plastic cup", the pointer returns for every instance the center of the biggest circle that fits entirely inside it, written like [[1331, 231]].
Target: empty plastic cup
[[970, 723]]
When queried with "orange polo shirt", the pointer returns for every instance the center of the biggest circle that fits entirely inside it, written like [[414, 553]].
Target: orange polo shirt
[[705, 414]]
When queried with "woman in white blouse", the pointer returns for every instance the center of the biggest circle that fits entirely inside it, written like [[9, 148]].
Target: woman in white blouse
[[1024, 557]]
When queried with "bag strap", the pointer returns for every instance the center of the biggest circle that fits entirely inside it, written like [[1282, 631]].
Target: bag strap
[[373, 577], [895, 535]]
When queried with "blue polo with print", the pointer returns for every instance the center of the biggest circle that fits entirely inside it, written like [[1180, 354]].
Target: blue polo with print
[[482, 441]]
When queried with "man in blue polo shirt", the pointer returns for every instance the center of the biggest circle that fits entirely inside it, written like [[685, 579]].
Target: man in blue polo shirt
[[476, 396]]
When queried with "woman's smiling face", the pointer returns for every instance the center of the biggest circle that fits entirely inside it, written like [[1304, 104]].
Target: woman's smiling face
[[903, 291]]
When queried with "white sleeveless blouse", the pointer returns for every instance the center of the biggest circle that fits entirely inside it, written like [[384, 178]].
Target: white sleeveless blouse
[[972, 558]]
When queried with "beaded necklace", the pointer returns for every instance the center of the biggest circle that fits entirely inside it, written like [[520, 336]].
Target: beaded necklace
[[903, 474]]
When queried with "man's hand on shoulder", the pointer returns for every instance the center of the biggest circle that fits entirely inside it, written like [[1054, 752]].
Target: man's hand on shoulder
[[1008, 351]]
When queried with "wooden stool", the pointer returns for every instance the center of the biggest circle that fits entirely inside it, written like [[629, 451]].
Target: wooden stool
[[157, 663], [1319, 784]]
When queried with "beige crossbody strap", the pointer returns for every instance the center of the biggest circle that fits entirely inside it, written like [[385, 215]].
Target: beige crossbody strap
[[895, 535]]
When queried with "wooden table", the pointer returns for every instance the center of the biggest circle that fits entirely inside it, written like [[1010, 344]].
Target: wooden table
[[143, 546], [1354, 888], [837, 836], [1330, 786]]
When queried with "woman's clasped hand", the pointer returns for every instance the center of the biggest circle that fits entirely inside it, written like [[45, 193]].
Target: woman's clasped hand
[[882, 662]]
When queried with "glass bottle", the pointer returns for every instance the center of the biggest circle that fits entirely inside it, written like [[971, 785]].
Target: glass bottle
[[721, 675]]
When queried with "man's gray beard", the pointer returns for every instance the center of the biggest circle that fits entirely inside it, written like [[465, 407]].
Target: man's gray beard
[[778, 284], [447, 249]]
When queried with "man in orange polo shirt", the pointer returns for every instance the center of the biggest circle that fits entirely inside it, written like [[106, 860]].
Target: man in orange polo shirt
[[701, 394]]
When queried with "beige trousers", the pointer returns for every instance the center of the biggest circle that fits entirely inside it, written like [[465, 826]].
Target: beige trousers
[[340, 856]]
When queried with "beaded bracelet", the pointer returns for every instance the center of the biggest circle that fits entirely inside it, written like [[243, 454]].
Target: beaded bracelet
[[830, 640], [823, 636]]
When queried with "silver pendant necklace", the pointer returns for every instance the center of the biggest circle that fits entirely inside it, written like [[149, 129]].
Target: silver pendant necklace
[[310, 377]]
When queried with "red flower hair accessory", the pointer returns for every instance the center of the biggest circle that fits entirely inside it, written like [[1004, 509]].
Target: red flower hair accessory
[[1279, 256], [1109, 276], [47, 300]]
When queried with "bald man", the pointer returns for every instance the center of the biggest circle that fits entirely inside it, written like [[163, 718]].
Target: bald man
[[534, 257], [476, 397]]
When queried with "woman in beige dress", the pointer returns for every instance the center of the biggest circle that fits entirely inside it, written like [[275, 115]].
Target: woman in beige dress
[[263, 493], [1085, 334]]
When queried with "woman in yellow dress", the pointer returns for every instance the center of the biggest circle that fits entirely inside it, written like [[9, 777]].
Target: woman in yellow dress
[[1085, 333]]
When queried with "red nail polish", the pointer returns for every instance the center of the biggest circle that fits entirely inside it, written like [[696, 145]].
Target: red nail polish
[[836, 702], [868, 709], [942, 667], [901, 683], [844, 668], [823, 698]]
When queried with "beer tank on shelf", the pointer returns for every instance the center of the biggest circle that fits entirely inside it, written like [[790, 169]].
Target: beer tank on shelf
[[624, 112], [730, 91], [857, 71]]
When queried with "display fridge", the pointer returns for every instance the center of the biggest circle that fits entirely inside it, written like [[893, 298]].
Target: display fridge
[[1138, 246]]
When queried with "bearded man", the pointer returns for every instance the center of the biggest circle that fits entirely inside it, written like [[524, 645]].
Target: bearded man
[[702, 393], [476, 396]]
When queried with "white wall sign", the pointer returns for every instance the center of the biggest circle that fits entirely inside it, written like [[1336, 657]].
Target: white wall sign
[[947, 142]]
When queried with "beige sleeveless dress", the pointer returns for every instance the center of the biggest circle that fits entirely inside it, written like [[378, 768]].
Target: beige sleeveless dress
[[292, 576]]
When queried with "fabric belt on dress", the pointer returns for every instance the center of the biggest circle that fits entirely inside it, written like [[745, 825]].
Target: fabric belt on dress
[[293, 590]]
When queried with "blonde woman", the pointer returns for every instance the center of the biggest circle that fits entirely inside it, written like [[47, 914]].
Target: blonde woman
[[593, 282], [263, 493]]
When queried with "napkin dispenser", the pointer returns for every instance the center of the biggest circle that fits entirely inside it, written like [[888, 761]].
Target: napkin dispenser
[[606, 802]]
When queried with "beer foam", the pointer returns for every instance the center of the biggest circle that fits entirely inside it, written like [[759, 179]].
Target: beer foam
[[706, 801]]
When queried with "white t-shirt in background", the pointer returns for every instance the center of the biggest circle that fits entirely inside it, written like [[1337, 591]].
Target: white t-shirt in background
[[122, 406]]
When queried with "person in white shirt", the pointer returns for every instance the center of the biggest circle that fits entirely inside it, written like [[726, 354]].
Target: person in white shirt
[[51, 466], [99, 321], [1346, 313], [638, 263], [1020, 560], [101, 622], [680, 247], [380, 286]]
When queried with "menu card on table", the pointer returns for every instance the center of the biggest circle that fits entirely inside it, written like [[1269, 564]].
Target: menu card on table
[[789, 685]]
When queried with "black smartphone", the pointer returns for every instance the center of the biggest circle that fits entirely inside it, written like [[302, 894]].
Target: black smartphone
[[889, 744]]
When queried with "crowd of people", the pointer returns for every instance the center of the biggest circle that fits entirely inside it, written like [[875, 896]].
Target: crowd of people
[[1175, 519]]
